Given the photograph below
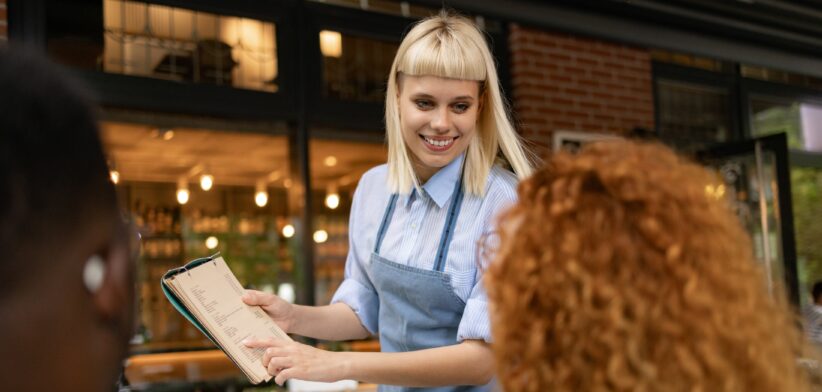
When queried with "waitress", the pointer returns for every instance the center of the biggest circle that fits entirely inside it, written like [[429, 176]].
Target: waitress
[[412, 275]]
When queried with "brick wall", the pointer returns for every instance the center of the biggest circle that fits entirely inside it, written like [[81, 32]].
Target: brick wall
[[563, 82], [4, 27]]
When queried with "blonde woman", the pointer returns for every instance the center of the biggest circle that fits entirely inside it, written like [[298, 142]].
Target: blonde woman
[[411, 276]]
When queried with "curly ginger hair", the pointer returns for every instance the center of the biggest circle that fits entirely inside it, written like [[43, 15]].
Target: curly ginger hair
[[616, 271]]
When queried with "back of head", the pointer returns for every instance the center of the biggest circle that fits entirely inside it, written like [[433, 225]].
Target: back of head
[[453, 47], [53, 176], [617, 271], [66, 288]]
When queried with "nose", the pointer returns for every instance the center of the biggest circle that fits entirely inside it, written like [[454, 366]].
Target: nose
[[441, 121]]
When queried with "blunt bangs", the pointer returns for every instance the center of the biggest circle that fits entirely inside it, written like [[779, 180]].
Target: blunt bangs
[[443, 55]]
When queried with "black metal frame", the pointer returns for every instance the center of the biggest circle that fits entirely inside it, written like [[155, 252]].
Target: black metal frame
[[778, 145], [728, 81]]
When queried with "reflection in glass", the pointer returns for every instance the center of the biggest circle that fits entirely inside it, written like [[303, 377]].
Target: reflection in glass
[[692, 115], [183, 45], [355, 68], [748, 183], [802, 122], [806, 188]]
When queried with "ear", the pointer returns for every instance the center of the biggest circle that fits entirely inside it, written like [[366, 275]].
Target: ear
[[114, 292]]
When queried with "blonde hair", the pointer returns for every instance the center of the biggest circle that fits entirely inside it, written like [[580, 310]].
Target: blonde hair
[[615, 271], [451, 46]]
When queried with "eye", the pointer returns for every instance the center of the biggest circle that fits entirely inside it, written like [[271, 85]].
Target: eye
[[423, 104], [461, 107]]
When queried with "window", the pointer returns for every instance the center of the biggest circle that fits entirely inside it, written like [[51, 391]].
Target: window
[[691, 114], [183, 45], [193, 192], [800, 120], [355, 68], [156, 41]]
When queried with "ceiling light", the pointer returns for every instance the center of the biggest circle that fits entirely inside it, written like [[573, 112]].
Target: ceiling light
[[288, 231], [182, 191], [261, 194], [206, 182], [320, 236], [212, 242]]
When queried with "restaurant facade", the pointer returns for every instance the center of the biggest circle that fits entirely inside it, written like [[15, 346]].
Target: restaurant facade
[[243, 127]]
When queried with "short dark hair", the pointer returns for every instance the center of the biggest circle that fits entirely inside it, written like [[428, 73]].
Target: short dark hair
[[53, 174], [817, 290]]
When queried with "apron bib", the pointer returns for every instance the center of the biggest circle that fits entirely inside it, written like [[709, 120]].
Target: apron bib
[[418, 307]]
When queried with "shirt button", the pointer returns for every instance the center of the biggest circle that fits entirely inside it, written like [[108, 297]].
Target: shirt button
[[413, 225]]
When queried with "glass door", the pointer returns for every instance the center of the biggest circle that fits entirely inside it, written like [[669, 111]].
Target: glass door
[[756, 183]]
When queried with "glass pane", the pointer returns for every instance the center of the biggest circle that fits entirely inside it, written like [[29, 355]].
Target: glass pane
[[806, 188], [750, 188], [692, 115], [222, 175], [336, 168], [355, 68], [161, 42], [802, 122]]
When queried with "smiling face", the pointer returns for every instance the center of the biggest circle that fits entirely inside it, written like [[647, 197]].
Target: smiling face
[[438, 118]]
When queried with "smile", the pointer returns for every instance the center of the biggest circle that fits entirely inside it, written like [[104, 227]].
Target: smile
[[439, 142]]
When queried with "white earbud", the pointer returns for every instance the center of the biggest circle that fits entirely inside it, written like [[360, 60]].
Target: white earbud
[[93, 273]]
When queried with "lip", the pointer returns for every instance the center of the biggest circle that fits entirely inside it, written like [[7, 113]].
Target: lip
[[434, 148]]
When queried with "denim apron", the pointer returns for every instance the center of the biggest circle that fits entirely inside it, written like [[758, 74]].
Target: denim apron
[[418, 307]]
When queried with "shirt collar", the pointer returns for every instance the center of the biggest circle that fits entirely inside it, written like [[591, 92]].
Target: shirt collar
[[441, 185]]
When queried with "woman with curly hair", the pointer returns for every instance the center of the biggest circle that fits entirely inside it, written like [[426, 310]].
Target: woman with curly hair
[[616, 271]]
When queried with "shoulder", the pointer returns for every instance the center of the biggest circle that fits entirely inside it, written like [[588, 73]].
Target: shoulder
[[374, 175], [373, 182], [502, 184]]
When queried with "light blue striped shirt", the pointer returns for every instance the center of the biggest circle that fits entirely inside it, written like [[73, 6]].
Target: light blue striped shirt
[[413, 236]]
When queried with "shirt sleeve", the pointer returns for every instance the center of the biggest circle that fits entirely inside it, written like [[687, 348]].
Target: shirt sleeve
[[475, 323], [356, 290]]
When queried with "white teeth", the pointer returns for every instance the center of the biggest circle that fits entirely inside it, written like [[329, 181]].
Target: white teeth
[[439, 143]]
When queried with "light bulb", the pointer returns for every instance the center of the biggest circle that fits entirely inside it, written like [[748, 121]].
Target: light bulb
[[115, 176], [320, 236], [182, 191], [332, 201], [330, 161], [206, 182], [212, 242], [288, 231], [182, 196], [261, 198]]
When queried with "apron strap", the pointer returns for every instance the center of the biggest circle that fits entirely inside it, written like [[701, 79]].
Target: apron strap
[[389, 211], [448, 229]]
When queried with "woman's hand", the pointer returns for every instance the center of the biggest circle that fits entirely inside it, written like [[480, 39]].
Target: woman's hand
[[286, 360], [278, 309]]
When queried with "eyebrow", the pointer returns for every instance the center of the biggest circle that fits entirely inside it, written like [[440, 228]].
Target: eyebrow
[[461, 97]]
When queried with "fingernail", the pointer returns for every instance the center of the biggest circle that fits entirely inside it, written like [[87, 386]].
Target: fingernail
[[246, 341]]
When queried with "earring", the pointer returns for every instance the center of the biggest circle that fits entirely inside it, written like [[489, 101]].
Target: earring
[[93, 273]]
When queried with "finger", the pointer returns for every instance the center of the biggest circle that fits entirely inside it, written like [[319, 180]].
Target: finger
[[284, 376], [259, 298], [266, 342], [271, 352], [278, 364]]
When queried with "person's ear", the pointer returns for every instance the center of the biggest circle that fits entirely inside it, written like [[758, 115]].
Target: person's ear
[[94, 271], [107, 276]]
